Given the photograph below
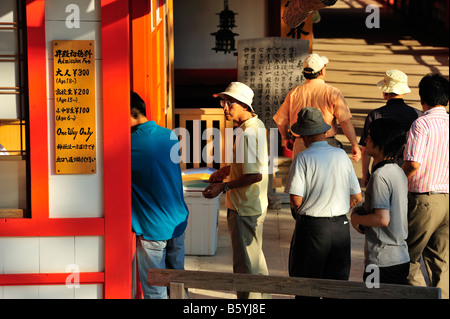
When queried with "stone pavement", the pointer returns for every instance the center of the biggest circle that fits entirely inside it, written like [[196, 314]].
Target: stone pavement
[[358, 56]]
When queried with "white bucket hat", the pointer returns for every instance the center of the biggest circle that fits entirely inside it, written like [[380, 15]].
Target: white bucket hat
[[315, 62], [394, 81], [240, 92]]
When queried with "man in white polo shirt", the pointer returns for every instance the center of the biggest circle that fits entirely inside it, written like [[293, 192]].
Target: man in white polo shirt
[[322, 187]]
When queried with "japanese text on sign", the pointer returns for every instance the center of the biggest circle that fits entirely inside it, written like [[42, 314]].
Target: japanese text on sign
[[271, 67], [74, 92]]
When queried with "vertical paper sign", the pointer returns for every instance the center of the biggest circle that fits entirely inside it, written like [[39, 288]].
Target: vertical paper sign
[[271, 67], [75, 131]]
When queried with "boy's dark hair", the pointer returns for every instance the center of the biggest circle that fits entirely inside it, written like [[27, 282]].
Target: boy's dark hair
[[389, 136], [434, 90], [137, 105]]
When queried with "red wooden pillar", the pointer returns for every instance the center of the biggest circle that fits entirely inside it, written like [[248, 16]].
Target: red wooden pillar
[[37, 93], [116, 138]]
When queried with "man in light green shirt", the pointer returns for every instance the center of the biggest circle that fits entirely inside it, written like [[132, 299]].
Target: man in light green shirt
[[246, 186]]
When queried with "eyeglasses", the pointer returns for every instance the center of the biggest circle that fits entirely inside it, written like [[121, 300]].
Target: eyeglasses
[[225, 103]]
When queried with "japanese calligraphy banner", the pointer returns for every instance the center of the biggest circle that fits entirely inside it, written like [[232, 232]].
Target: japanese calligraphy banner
[[271, 67], [74, 92]]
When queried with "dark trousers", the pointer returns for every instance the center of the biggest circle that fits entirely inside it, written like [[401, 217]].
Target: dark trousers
[[320, 248], [397, 274]]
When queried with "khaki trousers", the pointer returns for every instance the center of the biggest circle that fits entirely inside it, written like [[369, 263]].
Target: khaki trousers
[[428, 237], [246, 242]]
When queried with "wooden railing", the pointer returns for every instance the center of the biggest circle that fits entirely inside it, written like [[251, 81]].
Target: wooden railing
[[179, 280], [195, 122]]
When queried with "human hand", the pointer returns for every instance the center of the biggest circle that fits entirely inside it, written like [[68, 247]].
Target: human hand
[[289, 144], [354, 220], [356, 151], [220, 174], [213, 190]]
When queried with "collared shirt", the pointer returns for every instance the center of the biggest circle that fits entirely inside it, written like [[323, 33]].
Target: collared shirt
[[314, 93], [395, 109], [428, 145], [250, 156], [324, 176]]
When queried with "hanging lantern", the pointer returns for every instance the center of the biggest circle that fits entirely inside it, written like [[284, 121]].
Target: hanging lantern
[[225, 41]]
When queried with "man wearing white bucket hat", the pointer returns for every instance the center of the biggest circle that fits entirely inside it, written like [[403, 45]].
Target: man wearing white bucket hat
[[246, 185], [394, 87], [328, 99]]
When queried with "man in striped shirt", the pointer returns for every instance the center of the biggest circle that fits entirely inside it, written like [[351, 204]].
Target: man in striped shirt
[[426, 164]]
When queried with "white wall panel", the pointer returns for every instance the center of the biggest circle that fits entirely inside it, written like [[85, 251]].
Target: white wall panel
[[20, 255], [75, 196], [55, 292], [89, 9], [51, 292], [89, 292], [89, 253], [20, 292], [56, 253]]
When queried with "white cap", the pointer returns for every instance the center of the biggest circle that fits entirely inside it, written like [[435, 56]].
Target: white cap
[[394, 81], [240, 92], [315, 62]]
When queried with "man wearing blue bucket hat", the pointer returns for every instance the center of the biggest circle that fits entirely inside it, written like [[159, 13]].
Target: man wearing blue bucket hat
[[322, 187]]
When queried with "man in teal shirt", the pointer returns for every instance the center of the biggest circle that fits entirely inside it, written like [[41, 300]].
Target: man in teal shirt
[[159, 212]]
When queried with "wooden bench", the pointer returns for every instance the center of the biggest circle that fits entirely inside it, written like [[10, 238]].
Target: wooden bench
[[178, 280]]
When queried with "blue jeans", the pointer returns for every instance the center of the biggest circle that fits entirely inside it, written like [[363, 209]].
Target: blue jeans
[[164, 254]]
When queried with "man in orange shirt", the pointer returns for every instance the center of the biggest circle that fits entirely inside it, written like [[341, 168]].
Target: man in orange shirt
[[316, 93]]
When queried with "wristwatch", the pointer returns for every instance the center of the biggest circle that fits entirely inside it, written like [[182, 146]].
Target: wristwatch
[[225, 187]]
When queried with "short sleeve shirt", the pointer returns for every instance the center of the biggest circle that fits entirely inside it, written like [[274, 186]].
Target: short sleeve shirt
[[387, 189], [250, 156], [314, 93], [324, 176], [428, 145], [395, 109]]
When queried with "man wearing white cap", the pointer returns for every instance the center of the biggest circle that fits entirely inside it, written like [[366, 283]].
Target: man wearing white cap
[[328, 99], [246, 185], [394, 87]]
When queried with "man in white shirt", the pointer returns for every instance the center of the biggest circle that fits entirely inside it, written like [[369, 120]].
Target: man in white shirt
[[323, 187]]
